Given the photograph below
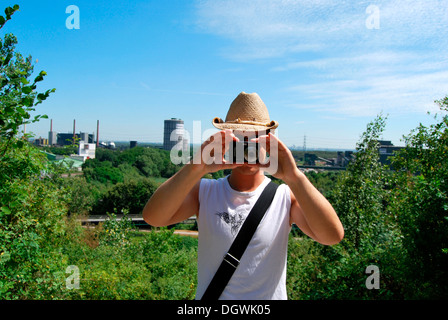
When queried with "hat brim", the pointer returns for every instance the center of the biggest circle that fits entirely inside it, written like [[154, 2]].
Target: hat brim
[[220, 124]]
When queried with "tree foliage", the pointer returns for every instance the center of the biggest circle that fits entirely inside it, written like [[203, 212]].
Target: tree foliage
[[18, 95], [420, 203], [128, 197], [361, 192], [360, 197], [32, 201], [395, 218], [113, 166]]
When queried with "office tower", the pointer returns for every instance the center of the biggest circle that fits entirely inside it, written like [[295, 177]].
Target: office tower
[[173, 133]]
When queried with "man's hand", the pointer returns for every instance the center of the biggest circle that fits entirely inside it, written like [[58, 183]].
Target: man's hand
[[281, 163], [210, 157]]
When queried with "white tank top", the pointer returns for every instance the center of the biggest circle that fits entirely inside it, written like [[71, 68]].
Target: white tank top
[[261, 274]]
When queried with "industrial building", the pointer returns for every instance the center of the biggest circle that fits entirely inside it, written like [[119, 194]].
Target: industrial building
[[41, 141], [65, 139], [386, 149], [344, 158], [85, 151]]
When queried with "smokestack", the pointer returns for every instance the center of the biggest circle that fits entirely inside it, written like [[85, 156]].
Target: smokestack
[[97, 133], [51, 136], [74, 130]]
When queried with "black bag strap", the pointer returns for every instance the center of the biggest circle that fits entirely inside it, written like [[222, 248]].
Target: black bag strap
[[233, 256]]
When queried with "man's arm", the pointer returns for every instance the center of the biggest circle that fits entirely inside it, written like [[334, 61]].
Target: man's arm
[[177, 198], [310, 210]]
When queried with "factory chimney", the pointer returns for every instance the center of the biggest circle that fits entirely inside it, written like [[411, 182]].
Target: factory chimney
[[52, 136], [74, 131], [97, 133]]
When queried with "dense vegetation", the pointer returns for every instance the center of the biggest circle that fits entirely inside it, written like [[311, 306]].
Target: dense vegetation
[[396, 220], [120, 180]]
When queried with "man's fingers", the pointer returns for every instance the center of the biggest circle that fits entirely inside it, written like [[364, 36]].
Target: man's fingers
[[267, 142], [216, 146], [228, 137]]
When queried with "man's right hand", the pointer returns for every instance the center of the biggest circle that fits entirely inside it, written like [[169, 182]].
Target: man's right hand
[[210, 157]]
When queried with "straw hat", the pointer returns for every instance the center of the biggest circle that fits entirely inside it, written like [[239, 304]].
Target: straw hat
[[247, 112]]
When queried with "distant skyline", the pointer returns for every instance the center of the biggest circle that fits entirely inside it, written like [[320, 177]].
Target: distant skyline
[[323, 68]]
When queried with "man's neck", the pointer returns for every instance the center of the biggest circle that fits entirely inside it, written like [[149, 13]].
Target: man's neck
[[245, 182]]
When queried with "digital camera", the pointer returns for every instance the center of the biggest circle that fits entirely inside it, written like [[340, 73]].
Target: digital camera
[[245, 152]]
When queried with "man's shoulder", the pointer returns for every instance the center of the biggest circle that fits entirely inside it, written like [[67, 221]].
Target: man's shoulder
[[210, 183]]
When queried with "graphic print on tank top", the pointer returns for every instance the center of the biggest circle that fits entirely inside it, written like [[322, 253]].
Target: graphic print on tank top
[[234, 221]]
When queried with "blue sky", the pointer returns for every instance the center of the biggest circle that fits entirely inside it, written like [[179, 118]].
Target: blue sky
[[324, 68]]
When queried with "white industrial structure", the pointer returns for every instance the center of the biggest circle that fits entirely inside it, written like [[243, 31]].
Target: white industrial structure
[[85, 151], [174, 135]]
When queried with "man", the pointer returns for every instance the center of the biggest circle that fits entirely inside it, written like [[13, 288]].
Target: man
[[222, 205]]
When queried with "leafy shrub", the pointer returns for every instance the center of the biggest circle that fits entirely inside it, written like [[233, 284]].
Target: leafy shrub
[[420, 203], [130, 196], [103, 172], [116, 232], [32, 211], [360, 194], [157, 265], [113, 166], [81, 195], [360, 197], [317, 272]]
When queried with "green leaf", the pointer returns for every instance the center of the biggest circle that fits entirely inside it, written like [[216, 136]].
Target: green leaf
[[42, 96], [38, 79], [5, 210], [10, 11], [27, 101], [5, 256], [24, 81], [20, 144], [27, 90], [7, 59]]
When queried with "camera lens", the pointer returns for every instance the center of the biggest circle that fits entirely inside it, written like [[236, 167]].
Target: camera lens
[[250, 153]]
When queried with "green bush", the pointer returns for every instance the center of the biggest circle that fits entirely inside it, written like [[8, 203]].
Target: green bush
[[128, 265], [81, 195], [420, 203], [116, 232], [130, 196], [395, 220], [317, 272], [102, 171], [372, 237], [32, 212]]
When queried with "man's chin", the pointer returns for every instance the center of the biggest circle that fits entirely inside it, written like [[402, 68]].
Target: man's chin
[[247, 169]]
